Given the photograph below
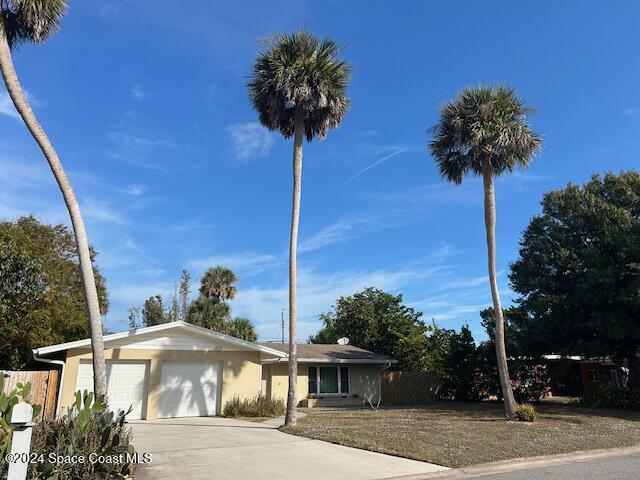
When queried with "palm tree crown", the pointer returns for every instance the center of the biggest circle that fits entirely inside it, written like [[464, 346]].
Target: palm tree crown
[[483, 124], [217, 283], [300, 71], [31, 20]]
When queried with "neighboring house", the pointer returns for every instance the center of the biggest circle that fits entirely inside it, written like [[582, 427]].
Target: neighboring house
[[577, 376], [182, 370]]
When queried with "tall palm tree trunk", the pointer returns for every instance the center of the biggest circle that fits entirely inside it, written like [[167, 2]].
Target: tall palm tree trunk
[[501, 352], [22, 106], [290, 418]]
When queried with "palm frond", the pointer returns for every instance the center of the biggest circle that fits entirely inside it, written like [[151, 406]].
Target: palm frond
[[483, 124], [300, 70], [32, 20]]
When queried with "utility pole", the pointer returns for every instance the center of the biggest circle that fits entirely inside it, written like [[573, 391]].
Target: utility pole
[[282, 324]]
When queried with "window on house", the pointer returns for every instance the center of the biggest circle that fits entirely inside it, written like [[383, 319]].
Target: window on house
[[593, 376], [328, 380], [313, 380], [344, 380]]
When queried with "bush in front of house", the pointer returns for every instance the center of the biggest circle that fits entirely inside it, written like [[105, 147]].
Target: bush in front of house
[[607, 395], [88, 430], [526, 413], [259, 406]]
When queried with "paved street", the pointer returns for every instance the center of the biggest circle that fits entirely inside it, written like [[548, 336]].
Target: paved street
[[612, 468]]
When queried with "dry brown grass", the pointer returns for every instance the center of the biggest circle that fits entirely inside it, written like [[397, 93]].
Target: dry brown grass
[[459, 434]]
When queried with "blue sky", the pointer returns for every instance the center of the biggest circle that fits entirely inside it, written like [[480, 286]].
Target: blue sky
[[147, 105]]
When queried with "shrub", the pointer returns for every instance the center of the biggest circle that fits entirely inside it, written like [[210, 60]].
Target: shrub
[[608, 395], [88, 429], [526, 413], [259, 406], [530, 381]]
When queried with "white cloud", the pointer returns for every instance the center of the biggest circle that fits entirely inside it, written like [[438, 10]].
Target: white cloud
[[97, 210], [374, 164], [317, 292], [137, 93], [245, 262], [250, 140], [6, 106], [134, 189], [340, 231]]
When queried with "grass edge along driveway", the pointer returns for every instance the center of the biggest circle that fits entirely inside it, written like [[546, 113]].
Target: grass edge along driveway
[[456, 434]]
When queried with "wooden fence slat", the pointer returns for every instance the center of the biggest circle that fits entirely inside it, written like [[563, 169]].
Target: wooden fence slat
[[49, 409], [44, 388], [408, 387]]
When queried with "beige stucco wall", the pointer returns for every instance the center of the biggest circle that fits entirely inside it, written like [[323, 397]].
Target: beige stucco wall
[[241, 372], [364, 381], [280, 381]]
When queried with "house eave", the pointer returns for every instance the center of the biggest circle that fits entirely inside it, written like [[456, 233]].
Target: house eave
[[165, 326]]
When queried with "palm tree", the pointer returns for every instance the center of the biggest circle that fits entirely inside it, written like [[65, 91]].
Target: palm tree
[[298, 88], [484, 131], [35, 21], [218, 284]]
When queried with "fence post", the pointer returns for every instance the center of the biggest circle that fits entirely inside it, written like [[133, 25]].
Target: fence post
[[22, 425]]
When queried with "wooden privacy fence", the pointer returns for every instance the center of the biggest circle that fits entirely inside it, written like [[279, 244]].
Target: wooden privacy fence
[[408, 387], [44, 388]]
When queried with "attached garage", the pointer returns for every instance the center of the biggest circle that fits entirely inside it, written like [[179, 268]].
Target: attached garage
[[165, 371], [126, 385], [189, 389]]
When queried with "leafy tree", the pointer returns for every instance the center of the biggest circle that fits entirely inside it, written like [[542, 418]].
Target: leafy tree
[[298, 88], [135, 318], [529, 376], [61, 315], [242, 328], [21, 293], [209, 313], [483, 131], [462, 363], [153, 312], [218, 284], [34, 21], [578, 272], [378, 321]]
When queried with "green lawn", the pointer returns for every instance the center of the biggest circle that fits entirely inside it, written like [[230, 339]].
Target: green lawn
[[459, 434]]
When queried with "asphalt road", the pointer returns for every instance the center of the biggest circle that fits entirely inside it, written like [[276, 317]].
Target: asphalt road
[[611, 468]]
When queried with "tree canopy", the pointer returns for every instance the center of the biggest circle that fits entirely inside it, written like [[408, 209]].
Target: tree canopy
[[59, 314], [483, 124], [209, 309], [300, 71], [31, 20], [378, 321], [578, 272]]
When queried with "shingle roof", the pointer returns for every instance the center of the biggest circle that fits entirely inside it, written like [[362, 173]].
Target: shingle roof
[[329, 351]]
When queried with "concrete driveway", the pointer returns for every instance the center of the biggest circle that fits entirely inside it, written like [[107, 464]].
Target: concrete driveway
[[220, 448]]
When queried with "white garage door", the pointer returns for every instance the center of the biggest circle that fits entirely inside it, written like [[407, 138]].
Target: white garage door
[[125, 385], [188, 389]]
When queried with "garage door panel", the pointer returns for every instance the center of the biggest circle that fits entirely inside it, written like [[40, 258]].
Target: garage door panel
[[125, 385], [188, 389]]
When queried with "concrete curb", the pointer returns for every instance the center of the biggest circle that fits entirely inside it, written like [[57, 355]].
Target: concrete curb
[[505, 466]]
